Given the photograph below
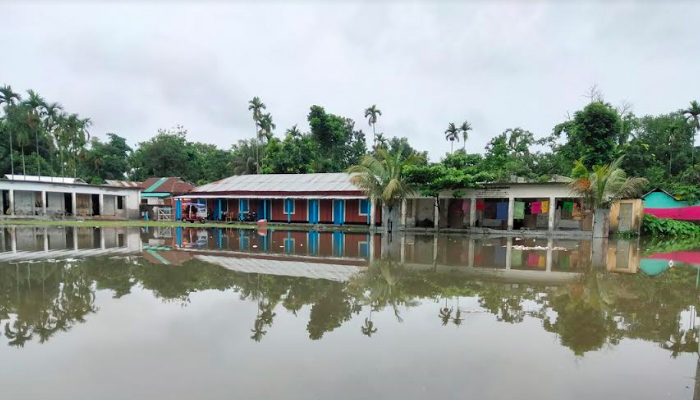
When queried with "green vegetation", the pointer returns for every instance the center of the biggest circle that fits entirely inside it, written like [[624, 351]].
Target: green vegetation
[[604, 184], [40, 137], [656, 227]]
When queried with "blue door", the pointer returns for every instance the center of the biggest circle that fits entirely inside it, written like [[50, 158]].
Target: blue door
[[313, 211], [338, 243], [313, 243], [338, 212], [262, 209]]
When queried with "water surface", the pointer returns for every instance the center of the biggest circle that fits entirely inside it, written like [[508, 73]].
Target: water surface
[[115, 313]]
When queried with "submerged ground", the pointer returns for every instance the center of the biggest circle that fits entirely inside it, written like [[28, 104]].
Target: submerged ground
[[177, 313]]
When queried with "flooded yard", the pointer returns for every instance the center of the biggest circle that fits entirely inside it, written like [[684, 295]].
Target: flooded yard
[[183, 313]]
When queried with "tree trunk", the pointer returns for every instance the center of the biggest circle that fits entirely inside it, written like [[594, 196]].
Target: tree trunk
[[12, 160], [601, 223]]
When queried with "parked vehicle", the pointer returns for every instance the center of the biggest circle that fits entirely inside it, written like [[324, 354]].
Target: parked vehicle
[[249, 216], [193, 212]]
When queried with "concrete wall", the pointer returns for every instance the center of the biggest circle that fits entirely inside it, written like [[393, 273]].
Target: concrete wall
[[25, 202], [637, 214]]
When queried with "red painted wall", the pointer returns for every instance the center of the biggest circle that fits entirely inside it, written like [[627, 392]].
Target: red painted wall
[[300, 215], [326, 211], [352, 212], [352, 244]]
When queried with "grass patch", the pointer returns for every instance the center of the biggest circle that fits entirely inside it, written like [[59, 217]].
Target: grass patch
[[139, 223]]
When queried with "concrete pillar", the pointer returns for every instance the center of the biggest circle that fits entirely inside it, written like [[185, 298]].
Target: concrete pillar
[[46, 239], [471, 253], [373, 212], [550, 244], [509, 253], [404, 205], [371, 247], [102, 238], [435, 248], [511, 212], [14, 240], [75, 238], [11, 200], [102, 204], [74, 203], [552, 210], [43, 202], [472, 212], [403, 249], [436, 220]]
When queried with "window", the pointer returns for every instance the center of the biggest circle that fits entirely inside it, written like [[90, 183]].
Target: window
[[363, 249], [244, 205], [364, 207], [120, 202], [289, 206], [144, 201]]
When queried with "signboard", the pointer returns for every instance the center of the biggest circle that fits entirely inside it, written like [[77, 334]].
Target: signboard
[[493, 192]]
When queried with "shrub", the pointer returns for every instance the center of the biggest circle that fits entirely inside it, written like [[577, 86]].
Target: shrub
[[657, 227]]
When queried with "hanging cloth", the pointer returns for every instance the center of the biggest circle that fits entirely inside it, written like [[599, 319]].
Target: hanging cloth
[[545, 207], [536, 207], [502, 211], [480, 206], [519, 210], [568, 206]]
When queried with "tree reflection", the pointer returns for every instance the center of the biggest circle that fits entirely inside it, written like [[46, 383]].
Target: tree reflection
[[39, 300]]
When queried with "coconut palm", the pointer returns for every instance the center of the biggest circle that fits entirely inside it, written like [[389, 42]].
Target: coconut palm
[[692, 114], [465, 128], [604, 184], [445, 315], [294, 132], [266, 127], [382, 179], [52, 111], [381, 140], [35, 104], [8, 97], [452, 134], [256, 106], [372, 114], [368, 328]]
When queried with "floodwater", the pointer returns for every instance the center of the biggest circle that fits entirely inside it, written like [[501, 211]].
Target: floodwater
[[187, 313]]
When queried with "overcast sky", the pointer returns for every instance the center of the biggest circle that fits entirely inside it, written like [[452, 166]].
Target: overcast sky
[[135, 68]]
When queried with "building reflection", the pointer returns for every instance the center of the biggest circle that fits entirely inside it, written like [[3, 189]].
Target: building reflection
[[49, 277]]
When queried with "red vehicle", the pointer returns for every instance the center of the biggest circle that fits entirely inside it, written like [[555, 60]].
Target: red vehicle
[[193, 212]]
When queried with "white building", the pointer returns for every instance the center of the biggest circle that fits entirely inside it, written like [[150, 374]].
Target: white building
[[23, 196]]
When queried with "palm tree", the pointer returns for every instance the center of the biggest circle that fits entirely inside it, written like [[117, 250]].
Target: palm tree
[[445, 315], [35, 104], [452, 134], [52, 111], [294, 132], [382, 179], [465, 128], [692, 114], [372, 114], [368, 328], [381, 140], [8, 97], [604, 185], [256, 106]]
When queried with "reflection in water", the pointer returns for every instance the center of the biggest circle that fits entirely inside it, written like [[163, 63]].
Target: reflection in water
[[50, 279]]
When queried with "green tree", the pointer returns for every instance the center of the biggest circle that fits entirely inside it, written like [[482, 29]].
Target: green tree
[[604, 184], [9, 99], [372, 114], [452, 134], [382, 179], [465, 128], [256, 106], [339, 145], [693, 115], [592, 135]]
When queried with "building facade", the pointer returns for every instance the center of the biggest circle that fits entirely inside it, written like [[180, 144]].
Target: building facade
[[47, 197], [328, 198], [548, 206]]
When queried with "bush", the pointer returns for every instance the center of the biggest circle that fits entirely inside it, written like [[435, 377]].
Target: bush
[[657, 227]]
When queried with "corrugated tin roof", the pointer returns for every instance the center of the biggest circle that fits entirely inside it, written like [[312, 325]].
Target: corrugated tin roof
[[113, 182], [282, 183], [171, 184], [298, 269], [35, 178]]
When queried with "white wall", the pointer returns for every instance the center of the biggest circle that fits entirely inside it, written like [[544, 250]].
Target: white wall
[[26, 202], [56, 203]]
